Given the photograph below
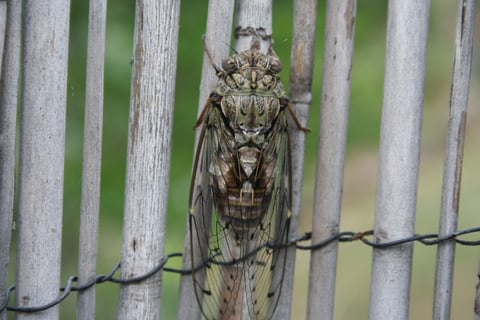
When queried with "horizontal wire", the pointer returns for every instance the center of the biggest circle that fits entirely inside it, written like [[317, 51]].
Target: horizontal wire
[[345, 236]]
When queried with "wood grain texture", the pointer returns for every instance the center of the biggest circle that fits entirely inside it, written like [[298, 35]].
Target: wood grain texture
[[148, 154]]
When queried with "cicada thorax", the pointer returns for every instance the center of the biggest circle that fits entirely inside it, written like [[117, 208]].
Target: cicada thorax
[[242, 184]]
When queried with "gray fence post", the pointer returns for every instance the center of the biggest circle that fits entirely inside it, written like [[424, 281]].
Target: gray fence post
[[3, 27], [217, 36], [335, 101], [399, 156], [92, 155], [42, 140], [148, 159], [8, 118], [476, 305], [300, 94], [256, 15], [453, 158]]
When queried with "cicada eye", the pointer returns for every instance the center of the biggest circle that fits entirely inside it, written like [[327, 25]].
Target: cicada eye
[[275, 64], [229, 64]]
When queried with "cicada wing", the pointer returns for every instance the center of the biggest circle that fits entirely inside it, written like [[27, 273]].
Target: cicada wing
[[281, 208], [249, 263], [211, 245], [274, 229], [200, 205], [238, 270]]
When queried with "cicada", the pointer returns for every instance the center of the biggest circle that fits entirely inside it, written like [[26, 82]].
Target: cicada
[[241, 193]]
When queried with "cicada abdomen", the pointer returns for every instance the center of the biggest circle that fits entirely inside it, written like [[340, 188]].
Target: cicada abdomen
[[240, 193]]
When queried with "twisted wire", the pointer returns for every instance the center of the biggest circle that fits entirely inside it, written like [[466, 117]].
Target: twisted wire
[[429, 239]]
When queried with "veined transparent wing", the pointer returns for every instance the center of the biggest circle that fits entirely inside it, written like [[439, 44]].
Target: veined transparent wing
[[239, 221]]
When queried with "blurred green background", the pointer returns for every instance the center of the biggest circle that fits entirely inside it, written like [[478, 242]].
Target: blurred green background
[[353, 273]]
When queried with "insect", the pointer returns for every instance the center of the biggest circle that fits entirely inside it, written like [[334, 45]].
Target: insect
[[240, 193]]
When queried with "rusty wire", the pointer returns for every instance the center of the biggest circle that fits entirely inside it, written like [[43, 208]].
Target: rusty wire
[[345, 236]]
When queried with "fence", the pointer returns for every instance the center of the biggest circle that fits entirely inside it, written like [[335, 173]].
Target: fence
[[40, 166]]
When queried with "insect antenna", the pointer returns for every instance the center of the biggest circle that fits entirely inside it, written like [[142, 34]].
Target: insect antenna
[[218, 70], [232, 48]]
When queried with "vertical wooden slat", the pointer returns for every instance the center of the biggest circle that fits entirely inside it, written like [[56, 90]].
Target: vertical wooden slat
[[253, 20], [3, 27], [399, 156], [253, 16], [92, 154], [217, 36], [452, 169], [476, 305], [8, 118], [300, 95], [148, 159], [256, 16], [335, 99], [42, 140]]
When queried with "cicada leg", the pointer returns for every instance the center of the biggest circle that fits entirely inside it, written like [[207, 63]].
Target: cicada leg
[[286, 103]]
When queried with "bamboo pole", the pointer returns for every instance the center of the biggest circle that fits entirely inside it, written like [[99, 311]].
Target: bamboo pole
[[453, 158], [218, 33], [399, 156], [217, 36], [476, 305], [3, 27], [92, 155], [42, 140], [148, 158], [254, 19], [8, 117], [335, 100], [301, 76]]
